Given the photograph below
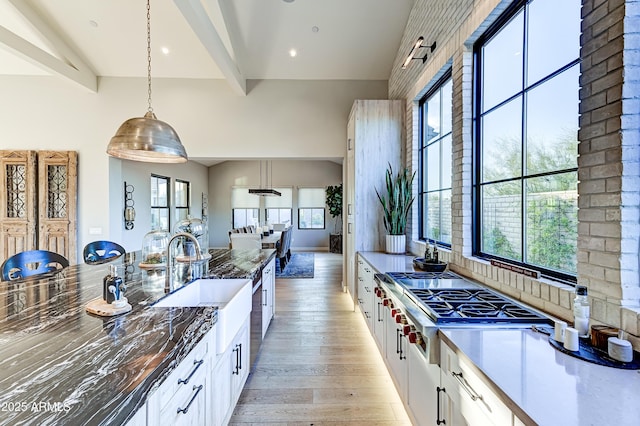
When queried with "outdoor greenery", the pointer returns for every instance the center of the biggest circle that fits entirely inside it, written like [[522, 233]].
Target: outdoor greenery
[[551, 210], [334, 202], [397, 200]]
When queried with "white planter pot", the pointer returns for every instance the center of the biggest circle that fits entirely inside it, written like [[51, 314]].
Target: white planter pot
[[396, 244]]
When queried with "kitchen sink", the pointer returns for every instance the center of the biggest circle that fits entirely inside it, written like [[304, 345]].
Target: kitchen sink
[[231, 296]]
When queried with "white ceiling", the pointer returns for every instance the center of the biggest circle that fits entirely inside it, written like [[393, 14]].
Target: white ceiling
[[237, 39]]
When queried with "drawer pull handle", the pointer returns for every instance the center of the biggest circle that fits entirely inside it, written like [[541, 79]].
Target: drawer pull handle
[[197, 365], [185, 409], [467, 387]]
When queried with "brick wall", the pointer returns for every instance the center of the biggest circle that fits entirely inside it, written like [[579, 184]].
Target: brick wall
[[609, 153]]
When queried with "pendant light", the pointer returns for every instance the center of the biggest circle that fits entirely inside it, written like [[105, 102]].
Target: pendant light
[[262, 191], [147, 138]]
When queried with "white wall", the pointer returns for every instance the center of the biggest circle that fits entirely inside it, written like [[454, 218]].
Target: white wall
[[286, 173], [277, 119]]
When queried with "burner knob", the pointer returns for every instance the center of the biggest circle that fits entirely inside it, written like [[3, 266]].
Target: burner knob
[[400, 319], [407, 329], [415, 337], [395, 312], [385, 302]]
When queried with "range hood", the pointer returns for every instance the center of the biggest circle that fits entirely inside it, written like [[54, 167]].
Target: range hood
[[264, 192]]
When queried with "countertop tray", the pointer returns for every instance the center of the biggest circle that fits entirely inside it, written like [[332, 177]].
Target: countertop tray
[[589, 353]]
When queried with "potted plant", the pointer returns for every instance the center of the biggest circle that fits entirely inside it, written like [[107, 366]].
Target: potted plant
[[396, 204], [334, 202]]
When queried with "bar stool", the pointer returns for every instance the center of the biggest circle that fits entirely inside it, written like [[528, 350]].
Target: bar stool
[[32, 263], [99, 252]]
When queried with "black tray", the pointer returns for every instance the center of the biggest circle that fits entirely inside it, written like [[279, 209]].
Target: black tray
[[423, 265], [597, 356]]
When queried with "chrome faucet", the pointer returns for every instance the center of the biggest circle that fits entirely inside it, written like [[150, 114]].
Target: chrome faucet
[[168, 287]]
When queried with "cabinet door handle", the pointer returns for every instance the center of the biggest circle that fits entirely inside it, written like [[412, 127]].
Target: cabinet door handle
[[185, 409], [402, 356], [197, 365], [236, 370], [379, 316], [467, 387], [264, 294], [438, 421], [397, 341], [349, 228]]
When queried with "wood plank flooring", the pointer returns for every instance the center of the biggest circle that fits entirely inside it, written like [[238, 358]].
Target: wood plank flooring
[[319, 364]]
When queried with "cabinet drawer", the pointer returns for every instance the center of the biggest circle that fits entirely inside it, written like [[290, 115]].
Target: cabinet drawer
[[478, 403], [186, 372], [187, 406]]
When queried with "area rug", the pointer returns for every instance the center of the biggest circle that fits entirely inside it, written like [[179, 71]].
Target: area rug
[[299, 266]]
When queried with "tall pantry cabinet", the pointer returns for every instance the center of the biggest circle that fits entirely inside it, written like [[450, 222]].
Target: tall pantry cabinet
[[374, 141]]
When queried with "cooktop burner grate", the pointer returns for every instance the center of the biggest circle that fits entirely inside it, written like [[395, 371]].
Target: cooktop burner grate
[[423, 275], [473, 306]]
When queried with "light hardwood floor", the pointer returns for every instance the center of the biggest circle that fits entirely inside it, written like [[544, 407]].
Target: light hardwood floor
[[319, 364]]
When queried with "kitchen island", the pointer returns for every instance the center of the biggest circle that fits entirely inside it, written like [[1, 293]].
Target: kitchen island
[[61, 365]]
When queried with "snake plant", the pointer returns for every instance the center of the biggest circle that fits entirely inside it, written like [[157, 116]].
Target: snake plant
[[397, 201]]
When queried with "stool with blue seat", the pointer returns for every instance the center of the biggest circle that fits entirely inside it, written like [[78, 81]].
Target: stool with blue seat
[[32, 263], [99, 252]]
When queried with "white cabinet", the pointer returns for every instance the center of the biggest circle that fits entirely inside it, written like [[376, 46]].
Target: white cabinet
[[229, 376], [365, 291], [374, 140], [469, 395], [268, 294], [423, 381], [182, 398], [396, 354]]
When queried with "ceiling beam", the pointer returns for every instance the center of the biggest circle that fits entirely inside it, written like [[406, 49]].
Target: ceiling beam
[[75, 69], [233, 30], [199, 20]]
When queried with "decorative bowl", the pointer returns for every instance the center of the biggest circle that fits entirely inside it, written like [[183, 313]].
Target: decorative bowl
[[429, 266]]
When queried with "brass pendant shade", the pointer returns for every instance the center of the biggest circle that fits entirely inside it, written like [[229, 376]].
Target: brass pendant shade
[[147, 139]]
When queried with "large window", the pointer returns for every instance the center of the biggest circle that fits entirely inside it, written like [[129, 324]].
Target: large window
[[182, 199], [278, 209], [160, 203], [435, 163], [245, 208], [526, 118], [311, 211]]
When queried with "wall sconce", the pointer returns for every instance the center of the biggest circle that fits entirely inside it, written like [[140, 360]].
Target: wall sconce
[[414, 50], [129, 211]]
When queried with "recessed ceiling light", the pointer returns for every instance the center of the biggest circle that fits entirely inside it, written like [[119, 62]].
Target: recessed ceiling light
[[288, 1], [93, 23], [315, 29], [165, 50], [293, 53]]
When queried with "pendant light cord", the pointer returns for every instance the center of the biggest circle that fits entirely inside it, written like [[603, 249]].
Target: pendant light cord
[[149, 55]]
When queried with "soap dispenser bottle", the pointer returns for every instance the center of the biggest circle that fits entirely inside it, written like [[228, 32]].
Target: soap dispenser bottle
[[581, 311]]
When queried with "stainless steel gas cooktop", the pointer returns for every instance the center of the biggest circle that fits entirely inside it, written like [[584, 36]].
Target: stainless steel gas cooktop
[[473, 306], [448, 298]]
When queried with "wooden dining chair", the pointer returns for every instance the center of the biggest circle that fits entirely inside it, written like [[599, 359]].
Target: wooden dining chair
[[98, 252], [32, 263]]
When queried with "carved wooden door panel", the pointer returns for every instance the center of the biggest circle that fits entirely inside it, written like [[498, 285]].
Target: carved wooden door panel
[[18, 218], [57, 176]]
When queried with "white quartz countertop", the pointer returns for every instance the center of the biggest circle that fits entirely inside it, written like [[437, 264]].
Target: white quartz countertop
[[552, 388], [539, 383]]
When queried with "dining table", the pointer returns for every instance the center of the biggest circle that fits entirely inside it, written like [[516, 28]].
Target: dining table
[[269, 241]]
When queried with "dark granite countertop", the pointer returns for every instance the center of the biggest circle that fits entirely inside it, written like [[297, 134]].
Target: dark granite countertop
[[61, 365]]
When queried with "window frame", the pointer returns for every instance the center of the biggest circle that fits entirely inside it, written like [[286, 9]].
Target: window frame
[[422, 185], [268, 219], [312, 228], [246, 209], [166, 207], [179, 208], [478, 114]]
